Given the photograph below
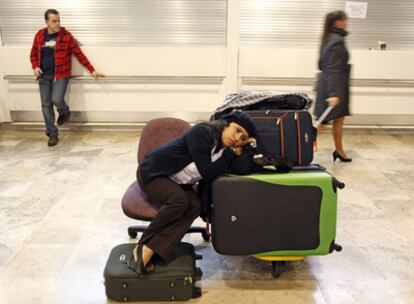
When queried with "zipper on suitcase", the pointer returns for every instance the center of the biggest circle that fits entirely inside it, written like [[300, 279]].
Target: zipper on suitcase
[[188, 280], [299, 142], [282, 138]]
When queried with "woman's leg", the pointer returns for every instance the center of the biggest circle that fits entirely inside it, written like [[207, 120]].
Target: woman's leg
[[177, 213], [337, 131], [164, 242], [321, 127]]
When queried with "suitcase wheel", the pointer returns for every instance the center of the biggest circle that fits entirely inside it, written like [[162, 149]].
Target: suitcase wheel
[[335, 247], [338, 247], [206, 236], [337, 184], [132, 234], [277, 268], [198, 256], [197, 292], [198, 274]]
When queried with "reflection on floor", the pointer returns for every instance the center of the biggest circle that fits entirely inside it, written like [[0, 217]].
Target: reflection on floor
[[60, 216]]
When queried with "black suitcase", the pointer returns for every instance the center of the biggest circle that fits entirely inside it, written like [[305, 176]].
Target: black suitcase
[[285, 134], [171, 281]]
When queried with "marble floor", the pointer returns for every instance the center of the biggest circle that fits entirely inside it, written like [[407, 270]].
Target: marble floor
[[60, 216]]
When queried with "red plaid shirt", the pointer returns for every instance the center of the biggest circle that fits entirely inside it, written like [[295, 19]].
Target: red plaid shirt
[[65, 46]]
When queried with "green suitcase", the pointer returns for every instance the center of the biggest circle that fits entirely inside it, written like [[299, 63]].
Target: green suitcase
[[275, 214]]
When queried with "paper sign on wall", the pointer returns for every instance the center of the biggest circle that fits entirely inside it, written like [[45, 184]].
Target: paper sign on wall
[[356, 9]]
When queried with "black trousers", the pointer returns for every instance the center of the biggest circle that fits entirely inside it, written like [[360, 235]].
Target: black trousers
[[180, 206]]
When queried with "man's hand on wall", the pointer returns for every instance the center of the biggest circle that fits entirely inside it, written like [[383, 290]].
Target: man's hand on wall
[[97, 74]]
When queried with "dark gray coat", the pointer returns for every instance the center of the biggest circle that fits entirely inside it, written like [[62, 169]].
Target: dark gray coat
[[333, 80]]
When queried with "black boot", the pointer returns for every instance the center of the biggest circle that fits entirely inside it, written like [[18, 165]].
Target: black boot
[[53, 140]]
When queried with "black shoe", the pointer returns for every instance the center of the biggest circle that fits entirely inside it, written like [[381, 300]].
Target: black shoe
[[150, 267], [336, 155], [53, 140], [63, 118]]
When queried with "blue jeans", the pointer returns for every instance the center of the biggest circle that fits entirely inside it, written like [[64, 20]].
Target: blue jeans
[[52, 93]]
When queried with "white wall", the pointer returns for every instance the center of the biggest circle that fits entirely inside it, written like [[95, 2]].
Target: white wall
[[173, 86], [4, 109], [152, 95], [371, 71]]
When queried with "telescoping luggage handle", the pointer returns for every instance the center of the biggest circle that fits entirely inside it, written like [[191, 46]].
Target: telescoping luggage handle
[[323, 116], [318, 122]]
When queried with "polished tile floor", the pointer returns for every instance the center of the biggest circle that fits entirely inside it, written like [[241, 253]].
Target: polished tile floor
[[60, 216]]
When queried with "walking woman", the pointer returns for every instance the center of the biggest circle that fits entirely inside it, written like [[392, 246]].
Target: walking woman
[[333, 80], [168, 173]]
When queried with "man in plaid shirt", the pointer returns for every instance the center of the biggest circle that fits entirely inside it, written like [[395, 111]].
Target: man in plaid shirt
[[51, 59]]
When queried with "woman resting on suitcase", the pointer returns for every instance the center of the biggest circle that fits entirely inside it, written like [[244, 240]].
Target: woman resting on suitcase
[[168, 173]]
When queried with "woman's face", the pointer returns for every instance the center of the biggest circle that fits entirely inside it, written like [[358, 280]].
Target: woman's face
[[234, 135], [341, 24]]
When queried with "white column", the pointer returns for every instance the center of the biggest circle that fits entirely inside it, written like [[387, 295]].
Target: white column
[[233, 29], [4, 108]]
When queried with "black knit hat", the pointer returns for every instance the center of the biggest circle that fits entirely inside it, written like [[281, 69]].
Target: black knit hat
[[242, 119]]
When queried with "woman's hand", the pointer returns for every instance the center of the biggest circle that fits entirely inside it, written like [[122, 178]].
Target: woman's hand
[[333, 101], [237, 150]]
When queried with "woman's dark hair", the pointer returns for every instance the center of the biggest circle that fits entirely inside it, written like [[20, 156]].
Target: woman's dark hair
[[218, 127], [330, 19], [52, 12]]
